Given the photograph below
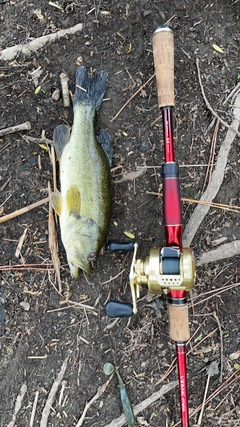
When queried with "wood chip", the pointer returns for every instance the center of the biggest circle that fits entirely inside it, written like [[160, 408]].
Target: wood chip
[[20, 243]]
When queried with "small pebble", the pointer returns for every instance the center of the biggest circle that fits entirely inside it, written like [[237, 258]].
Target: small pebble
[[56, 95]]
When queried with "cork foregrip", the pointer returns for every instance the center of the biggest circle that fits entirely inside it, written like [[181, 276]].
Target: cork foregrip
[[163, 54], [178, 319]]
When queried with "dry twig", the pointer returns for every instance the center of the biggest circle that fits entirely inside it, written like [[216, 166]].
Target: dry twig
[[52, 394], [113, 278], [204, 400], [214, 293], [216, 181], [20, 243], [18, 405], [209, 106], [10, 53], [17, 128], [100, 391], [36, 267], [34, 409], [65, 91], [82, 306], [23, 210], [41, 140], [203, 202], [221, 344], [234, 92], [133, 96], [119, 422], [227, 250], [211, 157], [53, 244]]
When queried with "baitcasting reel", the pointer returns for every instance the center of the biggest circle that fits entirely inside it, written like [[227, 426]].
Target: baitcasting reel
[[165, 269]]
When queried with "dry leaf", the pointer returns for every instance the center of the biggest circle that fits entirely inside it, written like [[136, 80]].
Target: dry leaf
[[235, 355]]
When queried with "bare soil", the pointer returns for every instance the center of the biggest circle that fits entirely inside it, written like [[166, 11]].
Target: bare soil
[[37, 329]]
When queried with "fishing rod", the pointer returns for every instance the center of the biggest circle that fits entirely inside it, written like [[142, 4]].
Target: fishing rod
[[169, 269]]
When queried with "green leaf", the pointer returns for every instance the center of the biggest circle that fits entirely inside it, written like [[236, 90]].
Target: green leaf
[[108, 368], [37, 90], [217, 48], [126, 403], [43, 146], [130, 235]]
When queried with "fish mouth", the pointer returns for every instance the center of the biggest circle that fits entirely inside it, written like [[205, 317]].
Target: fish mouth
[[74, 266]]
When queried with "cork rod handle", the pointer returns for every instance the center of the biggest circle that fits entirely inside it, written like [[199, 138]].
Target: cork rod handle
[[163, 54], [179, 328]]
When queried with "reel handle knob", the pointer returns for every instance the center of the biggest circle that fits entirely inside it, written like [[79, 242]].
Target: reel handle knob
[[115, 309], [163, 54], [120, 246]]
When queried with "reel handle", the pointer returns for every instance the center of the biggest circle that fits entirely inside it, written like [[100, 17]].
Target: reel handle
[[120, 246], [163, 54], [115, 309]]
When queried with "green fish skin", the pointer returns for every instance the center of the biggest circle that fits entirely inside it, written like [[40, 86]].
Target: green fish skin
[[84, 204]]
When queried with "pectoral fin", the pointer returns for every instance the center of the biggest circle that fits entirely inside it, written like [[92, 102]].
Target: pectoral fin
[[56, 201], [73, 200], [61, 136]]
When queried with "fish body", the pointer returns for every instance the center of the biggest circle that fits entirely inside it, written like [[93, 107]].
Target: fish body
[[84, 204]]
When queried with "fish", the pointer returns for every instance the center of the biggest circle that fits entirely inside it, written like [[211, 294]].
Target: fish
[[84, 201]]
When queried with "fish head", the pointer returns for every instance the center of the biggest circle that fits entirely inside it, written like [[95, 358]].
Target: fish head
[[77, 259], [80, 242]]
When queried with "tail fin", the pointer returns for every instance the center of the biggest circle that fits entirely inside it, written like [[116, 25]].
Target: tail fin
[[90, 90]]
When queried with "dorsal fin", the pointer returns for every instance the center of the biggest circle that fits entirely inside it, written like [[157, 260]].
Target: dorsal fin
[[61, 136], [73, 200]]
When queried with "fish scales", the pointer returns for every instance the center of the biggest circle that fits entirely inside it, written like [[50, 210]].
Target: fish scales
[[84, 204]]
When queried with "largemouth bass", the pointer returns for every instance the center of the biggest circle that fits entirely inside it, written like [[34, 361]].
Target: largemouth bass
[[84, 203]]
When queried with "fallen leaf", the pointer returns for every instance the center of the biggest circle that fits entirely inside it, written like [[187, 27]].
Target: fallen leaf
[[130, 235], [217, 48], [235, 355], [43, 146], [37, 90], [126, 403], [213, 368], [108, 368]]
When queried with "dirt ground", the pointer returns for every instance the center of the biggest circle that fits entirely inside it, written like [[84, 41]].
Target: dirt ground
[[38, 330]]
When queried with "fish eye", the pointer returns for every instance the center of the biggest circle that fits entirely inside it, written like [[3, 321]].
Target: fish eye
[[91, 256]]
